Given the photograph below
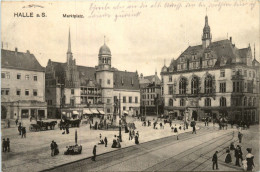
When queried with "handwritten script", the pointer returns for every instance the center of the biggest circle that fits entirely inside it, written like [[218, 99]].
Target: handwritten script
[[135, 9]]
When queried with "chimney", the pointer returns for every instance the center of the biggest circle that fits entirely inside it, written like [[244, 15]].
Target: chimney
[[230, 39], [16, 50], [28, 52]]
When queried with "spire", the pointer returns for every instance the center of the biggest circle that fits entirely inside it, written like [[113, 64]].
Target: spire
[[155, 71], [254, 51], [69, 43], [164, 62], [104, 39]]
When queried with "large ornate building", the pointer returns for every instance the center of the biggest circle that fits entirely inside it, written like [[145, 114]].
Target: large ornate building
[[73, 89], [22, 86], [213, 79]]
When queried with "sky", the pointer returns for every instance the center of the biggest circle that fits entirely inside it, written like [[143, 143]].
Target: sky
[[141, 41]]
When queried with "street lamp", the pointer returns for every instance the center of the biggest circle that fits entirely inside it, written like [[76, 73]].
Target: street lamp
[[120, 123]]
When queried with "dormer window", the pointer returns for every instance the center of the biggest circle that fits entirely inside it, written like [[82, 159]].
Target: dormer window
[[132, 81], [193, 57], [122, 80]]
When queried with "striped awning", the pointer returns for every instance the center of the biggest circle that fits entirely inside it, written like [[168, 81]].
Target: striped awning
[[101, 112], [125, 112], [94, 111], [75, 112], [87, 111]]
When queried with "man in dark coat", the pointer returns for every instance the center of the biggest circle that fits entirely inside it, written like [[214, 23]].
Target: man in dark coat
[[52, 148], [215, 160], [4, 145], [23, 132], [250, 160], [240, 135], [105, 140], [94, 153], [20, 129], [8, 145], [136, 140], [238, 155]]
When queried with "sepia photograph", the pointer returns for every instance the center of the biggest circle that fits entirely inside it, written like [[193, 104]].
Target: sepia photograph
[[165, 85]]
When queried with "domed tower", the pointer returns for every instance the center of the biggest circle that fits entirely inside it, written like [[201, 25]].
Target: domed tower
[[104, 57], [206, 37], [105, 77]]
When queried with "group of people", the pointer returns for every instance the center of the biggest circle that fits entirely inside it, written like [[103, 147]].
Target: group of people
[[101, 141], [6, 145], [54, 148], [22, 130]]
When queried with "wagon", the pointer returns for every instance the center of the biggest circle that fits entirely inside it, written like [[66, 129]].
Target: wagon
[[41, 125], [70, 123], [73, 150]]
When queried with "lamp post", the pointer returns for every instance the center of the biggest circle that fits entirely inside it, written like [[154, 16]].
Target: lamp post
[[120, 123]]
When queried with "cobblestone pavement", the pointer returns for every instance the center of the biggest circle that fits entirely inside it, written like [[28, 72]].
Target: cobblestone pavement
[[33, 152], [193, 152]]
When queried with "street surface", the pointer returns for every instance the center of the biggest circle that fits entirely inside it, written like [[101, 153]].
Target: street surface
[[159, 150]]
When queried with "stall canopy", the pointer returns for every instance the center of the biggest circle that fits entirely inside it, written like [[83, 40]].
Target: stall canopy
[[101, 112], [87, 111], [94, 111], [63, 113], [75, 113], [125, 112]]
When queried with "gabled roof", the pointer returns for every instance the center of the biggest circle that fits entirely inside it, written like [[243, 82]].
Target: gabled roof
[[126, 80], [19, 60]]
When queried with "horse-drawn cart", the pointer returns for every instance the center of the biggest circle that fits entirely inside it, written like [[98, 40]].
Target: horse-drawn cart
[[42, 125], [70, 123]]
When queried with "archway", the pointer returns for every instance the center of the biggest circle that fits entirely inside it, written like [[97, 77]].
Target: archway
[[3, 112], [194, 115]]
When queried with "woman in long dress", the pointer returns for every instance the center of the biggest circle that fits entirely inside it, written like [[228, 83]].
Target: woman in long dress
[[228, 158], [250, 160]]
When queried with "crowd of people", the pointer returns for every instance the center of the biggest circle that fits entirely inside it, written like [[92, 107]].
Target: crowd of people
[[6, 145]]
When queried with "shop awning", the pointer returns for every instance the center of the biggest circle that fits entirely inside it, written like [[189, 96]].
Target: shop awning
[[94, 111], [75, 113], [101, 112], [63, 113], [125, 112], [87, 111]]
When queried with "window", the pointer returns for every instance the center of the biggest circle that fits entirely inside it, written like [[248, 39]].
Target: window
[[182, 66], [239, 71], [222, 87], [7, 92], [147, 102], [245, 73], [124, 99], [152, 102], [130, 99], [249, 101], [208, 84], [195, 85], [182, 86], [18, 76], [72, 102], [18, 92], [35, 77], [136, 99], [223, 101], [108, 81], [170, 90], [108, 100], [207, 102], [170, 78], [35, 93], [124, 108], [182, 102], [234, 72], [254, 102], [27, 77], [27, 92], [194, 65], [253, 74], [148, 96], [108, 110], [3, 75], [249, 73], [170, 102], [49, 102], [222, 73], [72, 91], [245, 101], [100, 81]]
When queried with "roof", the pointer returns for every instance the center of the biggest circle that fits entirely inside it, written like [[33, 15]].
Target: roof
[[126, 80], [104, 50], [223, 49], [19, 60], [86, 74]]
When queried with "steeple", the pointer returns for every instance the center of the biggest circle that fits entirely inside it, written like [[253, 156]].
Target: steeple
[[69, 43], [254, 51], [206, 37], [69, 53]]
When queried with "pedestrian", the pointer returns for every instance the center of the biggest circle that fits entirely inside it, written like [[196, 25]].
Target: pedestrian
[[23, 132], [136, 140], [250, 159], [94, 153], [228, 158], [100, 136], [8, 145], [8, 123], [137, 134], [176, 131], [52, 148], [16, 122], [20, 129], [4, 145], [215, 161], [194, 128], [31, 119], [56, 149], [237, 155], [105, 140], [240, 135], [232, 147], [130, 135], [67, 129]]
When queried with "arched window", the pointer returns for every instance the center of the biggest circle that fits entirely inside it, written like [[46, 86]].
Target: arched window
[[249, 101], [208, 84], [182, 102], [170, 102], [223, 101], [254, 102], [195, 85], [207, 102], [182, 86], [245, 101]]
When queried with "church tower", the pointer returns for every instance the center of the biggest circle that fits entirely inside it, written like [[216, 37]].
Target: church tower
[[206, 37]]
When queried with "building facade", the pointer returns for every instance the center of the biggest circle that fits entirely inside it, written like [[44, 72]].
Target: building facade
[[22, 86], [150, 89], [213, 79], [72, 89]]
